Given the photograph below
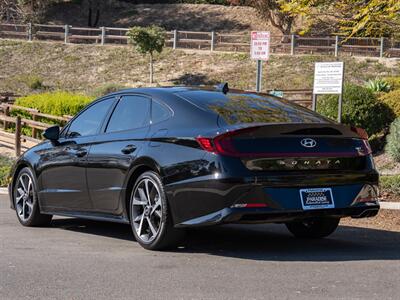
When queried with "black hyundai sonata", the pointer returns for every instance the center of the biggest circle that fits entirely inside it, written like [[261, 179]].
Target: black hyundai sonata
[[165, 159]]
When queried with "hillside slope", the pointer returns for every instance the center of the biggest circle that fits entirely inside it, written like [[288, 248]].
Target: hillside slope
[[194, 17], [85, 67]]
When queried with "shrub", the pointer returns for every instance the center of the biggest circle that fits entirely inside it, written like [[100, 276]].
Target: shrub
[[390, 183], [106, 89], [394, 82], [361, 108], [392, 99], [33, 82], [393, 140], [378, 85], [55, 103], [5, 167]]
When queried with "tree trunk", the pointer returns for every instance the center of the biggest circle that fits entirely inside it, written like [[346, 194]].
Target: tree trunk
[[151, 68]]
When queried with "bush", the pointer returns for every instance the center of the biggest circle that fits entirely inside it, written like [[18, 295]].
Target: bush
[[33, 82], [394, 82], [5, 167], [55, 103], [392, 99], [390, 183], [106, 89], [361, 108], [393, 140]]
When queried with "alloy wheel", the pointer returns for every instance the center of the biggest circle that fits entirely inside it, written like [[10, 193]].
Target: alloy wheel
[[146, 210], [24, 197]]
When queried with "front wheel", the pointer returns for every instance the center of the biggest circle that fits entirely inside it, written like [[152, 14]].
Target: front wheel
[[313, 228], [26, 202], [149, 214]]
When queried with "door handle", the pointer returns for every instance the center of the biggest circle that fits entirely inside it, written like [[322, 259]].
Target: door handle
[[81, 153], [128, 149]]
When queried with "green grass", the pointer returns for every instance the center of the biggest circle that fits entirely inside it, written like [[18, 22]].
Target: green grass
[[5, 167], [390, 183]]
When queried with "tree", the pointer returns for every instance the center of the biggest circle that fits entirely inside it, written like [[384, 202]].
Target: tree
[[147, 40], [373, 18], [25, 10], [271, 10]]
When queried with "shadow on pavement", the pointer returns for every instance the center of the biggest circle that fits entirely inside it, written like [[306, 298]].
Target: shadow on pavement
[[270, 242]]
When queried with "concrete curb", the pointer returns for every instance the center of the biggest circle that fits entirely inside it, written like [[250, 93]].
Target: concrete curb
[[3, 191]]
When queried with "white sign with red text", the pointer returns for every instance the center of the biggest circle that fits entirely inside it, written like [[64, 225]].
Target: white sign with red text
[[260, 41]]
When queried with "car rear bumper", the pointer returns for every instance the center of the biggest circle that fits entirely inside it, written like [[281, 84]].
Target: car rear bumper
[[265, 215], [207, 200]]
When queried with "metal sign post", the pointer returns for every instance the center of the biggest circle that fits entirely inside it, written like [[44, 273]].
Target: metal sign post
[[328, 79], [259, 51]]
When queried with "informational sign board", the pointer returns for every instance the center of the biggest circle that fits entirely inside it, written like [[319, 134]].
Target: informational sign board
[[328, 78], [260, 41]]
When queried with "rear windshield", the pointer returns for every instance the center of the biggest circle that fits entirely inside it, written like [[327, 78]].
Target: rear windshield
[[235, 108]]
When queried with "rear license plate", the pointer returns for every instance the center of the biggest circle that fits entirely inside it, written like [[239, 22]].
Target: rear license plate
[[319, 198]]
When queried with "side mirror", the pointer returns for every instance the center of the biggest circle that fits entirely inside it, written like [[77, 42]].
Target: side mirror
[[52, 133]]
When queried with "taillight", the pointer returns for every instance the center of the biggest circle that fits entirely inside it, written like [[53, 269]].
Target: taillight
[[360, 132], [223, 144]]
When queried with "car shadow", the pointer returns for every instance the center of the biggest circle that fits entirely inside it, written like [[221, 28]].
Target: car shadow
[[267, 242]]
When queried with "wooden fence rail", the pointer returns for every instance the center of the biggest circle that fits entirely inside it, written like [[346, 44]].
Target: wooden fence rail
[[213, 41]]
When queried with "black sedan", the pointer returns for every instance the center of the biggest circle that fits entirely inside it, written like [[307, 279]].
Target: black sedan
[[165, 159]]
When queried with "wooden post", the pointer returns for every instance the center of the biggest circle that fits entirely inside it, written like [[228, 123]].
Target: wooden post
[[103, 35], [7, 113], [18, 136], [66, 34], [34, 132], [292, 44], [381, 48], [336, 46], [175, 41], [30, 32], [212, 40]]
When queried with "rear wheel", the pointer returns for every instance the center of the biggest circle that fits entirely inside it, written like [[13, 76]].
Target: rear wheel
[[26, 201], [149, 214], [313, 228]]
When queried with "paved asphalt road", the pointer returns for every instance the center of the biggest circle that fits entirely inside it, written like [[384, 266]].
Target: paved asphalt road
[[77, 259]]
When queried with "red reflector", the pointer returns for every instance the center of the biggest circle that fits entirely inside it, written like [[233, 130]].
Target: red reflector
[[256, 205], [206, 144]]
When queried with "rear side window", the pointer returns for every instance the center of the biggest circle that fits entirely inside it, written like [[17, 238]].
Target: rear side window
[[131, 112], [236, 108], [159, 112], [90, 120]]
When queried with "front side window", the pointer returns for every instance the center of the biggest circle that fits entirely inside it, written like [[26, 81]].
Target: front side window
[[90, 120], [131, 112]]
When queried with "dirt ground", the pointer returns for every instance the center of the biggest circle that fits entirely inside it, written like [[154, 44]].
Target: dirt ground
[[386, 219]]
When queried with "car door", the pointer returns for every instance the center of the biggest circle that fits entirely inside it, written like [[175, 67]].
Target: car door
[[111, 156], [63, 184]]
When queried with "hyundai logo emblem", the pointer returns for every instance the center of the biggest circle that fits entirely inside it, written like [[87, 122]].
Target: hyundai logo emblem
[[308, 143]]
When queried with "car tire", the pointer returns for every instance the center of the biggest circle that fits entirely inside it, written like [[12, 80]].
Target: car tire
[[26, 201], [150, 215], [313, 228]]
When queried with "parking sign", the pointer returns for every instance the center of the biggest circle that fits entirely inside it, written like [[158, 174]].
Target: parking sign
[[260, 41]]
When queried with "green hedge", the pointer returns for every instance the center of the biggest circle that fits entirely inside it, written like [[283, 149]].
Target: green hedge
[[390, 183], [361, 108], [5, 167], [393, 140], [392, 99], [394, 82], [55, 103]]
